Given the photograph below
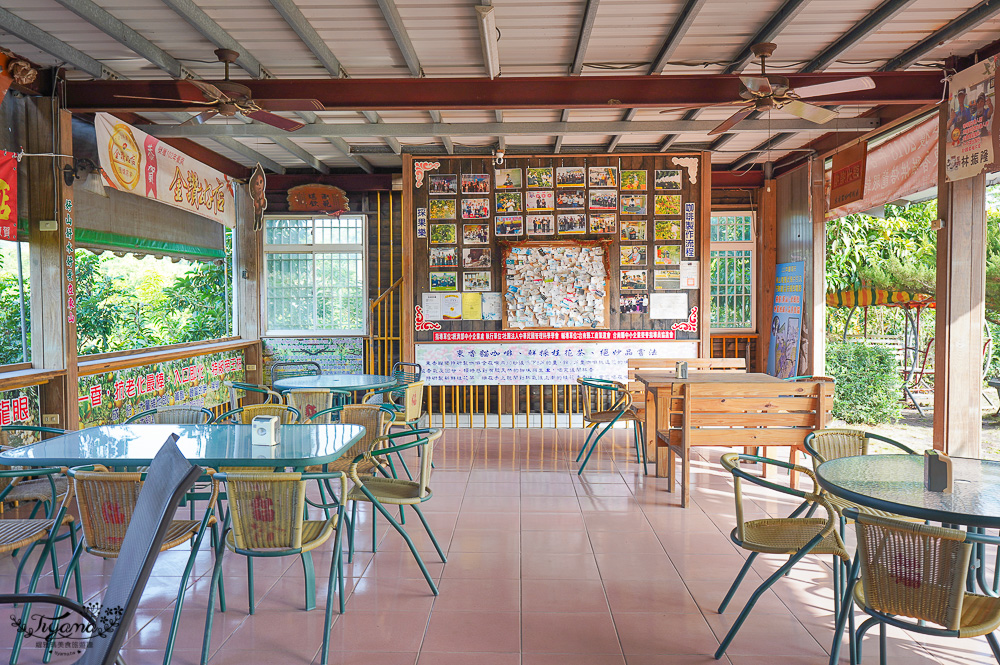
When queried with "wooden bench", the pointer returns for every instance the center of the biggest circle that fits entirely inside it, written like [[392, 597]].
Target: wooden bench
[[736, 413], [694, 365]]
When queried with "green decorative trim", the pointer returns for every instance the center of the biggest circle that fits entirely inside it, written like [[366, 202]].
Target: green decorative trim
[[132, 243]]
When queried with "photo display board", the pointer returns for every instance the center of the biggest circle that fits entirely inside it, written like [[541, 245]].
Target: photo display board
[[492, 244]]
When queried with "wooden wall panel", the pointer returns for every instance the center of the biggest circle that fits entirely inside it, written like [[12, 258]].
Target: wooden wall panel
[[794, 242]]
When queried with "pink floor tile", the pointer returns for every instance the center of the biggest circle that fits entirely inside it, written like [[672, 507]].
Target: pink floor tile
[[467, 631], [563, 596], [662, 633], [360, 630], [544, 566], [563, 632], [491, 565], [497, 595]]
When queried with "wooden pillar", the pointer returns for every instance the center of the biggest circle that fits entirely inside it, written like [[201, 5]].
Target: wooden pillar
[[53, 261], [961, 286], [815, 299], [704, 225], [767, 258], [247, 284], [407, 351]]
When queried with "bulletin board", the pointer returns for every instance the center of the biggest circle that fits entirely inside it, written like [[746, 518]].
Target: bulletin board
[[548, 285]]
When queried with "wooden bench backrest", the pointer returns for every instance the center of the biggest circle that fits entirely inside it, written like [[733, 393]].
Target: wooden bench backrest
[[695, 365]]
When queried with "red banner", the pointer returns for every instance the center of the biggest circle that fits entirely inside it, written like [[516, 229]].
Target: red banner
[[554, 336], [8, 196]]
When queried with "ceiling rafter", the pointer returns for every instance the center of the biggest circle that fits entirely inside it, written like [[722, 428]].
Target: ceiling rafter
[[214, 33], [395, 22], [311, 118], [967, 21], [55, 47], [449, 145], [301, 26], [239, 148], [582, 42]]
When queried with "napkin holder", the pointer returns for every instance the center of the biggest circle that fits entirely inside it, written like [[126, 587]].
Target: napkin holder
[[937, 472], [265, 431]]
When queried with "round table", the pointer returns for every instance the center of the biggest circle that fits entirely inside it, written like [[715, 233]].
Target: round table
[[895, 483], [348, 382]]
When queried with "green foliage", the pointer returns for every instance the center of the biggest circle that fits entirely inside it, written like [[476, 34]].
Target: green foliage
[[868, 383], [10, 317]]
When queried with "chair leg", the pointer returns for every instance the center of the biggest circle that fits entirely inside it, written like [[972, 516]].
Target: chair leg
[[845, 611], [74, 564], [350, 532], [32, 587], [179, 603], [593, 446], [593, 428], [375, 532], [860, 635], [427, 527], [409, 542], [309, 573], [881, 644], [406, 469], [250, 583], [994, 646], [736, 583]]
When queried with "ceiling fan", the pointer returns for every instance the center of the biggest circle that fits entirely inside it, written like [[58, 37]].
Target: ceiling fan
[[771, 91], [229, 98]]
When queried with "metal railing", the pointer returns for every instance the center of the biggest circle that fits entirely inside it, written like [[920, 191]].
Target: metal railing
[[736, 345], [384, 341]]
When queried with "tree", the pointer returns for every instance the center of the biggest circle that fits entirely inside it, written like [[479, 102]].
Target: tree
[[10, 317]]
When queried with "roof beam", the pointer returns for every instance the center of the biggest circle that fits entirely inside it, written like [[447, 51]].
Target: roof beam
[[495, 129], [395, 22], [40, 39], [340, 144], [583, 41], [555, 92], [214, 33], [301, 26], [449, 145], [563, 117], [967, 21], [238, 147]]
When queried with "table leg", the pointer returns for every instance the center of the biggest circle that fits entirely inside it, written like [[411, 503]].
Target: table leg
[[650, 427]]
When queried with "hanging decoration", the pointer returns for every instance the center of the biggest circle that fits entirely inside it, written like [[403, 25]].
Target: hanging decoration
[[8, 196], [257, 186], [972, 134], [691, 324], [420, 168], [689, 163], [419, 324], [847, 176]]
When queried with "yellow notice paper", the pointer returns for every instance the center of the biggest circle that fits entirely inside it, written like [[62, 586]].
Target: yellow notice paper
[[472, 306]]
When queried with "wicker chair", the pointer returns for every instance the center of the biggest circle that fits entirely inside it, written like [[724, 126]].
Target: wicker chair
[[244, 415], [107, 502], [270, 396], [600, 392], [174, 415], [792, 536], [267, 514], [405, 374], [919, 572], [394, 491], [310, 401], [37, 490]]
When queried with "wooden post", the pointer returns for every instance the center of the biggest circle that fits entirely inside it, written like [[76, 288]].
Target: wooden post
[[407, 295], [815, 299], [53, 261], [705, 253], [961, 287], [767, 253], [249, 273]]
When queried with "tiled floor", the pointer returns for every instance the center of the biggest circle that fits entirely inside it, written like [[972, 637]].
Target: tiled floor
[[544, 568]]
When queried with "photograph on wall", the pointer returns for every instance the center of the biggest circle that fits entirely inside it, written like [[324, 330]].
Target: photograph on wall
[[603, 222], [633, 280], [667, 229], [441, 208], [668, 179], [508, 202], [444, 234], [541, 225], [540, 200], [572, 224], [476, 281], [476, 234], [570, 176], [475, 208], [442, 184], [633, 304], [603, 199], [634, 181], [508, 178], [444, 281], [603, 176], [667, 279], [475, 183], [667, 204], [443, 257], [633, 230], [571, 199], [633, 255], [509, 225], [633, 204], [477, 257], [540, 177], [668, 255]]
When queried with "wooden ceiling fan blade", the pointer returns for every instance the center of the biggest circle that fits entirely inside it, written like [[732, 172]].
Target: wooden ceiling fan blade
[[809, 112], [274, 120], [732, 120], [758, 85], [201, 117], [166, 99], [687, 107], [209, 90], [291, 104], [836, 87]]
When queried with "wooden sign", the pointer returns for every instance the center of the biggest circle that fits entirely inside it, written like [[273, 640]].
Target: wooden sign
[[847, 176], [318, 198]]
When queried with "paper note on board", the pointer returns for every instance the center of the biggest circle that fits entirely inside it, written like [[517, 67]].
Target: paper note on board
[[689, 274], [431, 305], [472, 307], [668, 306], [491, 306], [452, 306]]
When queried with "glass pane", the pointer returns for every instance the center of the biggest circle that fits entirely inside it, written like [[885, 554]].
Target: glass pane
[[15, 338], [732, 228], [731, 288]]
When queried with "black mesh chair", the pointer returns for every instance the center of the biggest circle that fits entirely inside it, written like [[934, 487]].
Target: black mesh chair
[[287, 370], [169, 477]]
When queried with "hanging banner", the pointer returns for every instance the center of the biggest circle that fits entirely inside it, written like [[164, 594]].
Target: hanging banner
[[847, 177], [786, 323], [903, 165], [971, 130], [8, 196], [135, 162]]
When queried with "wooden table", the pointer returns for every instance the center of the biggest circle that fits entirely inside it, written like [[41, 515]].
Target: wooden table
[[660, 384]]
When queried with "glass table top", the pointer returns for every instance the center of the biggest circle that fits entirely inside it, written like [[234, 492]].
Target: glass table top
[[337, 382], [206, 445], [895, 483]]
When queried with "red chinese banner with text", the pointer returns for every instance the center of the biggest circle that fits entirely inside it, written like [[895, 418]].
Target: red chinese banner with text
[[8, 196]]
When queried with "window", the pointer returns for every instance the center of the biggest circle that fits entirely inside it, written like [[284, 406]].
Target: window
[[315, 275], [15, 305], [732, 271]]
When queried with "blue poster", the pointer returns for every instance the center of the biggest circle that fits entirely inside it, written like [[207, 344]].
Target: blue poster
[[786, 322]]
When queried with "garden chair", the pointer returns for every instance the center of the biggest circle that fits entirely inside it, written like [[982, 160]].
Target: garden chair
[[267, 516], [174, 415], [792, 536], [107, 503], [601, 392], [408, 414], [269, 396], [170, 477], [38, 490], [244, 415], [919, 572], [288, 369], [394, 491], [405, 374], [310, 401]]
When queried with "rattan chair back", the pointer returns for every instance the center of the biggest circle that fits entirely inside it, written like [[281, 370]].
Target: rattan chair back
[[375, 420], [913, 570], [286, 414], [267, 509], [426, 459], [413, 405], [310, 401], [836, 443], [601, 395], [174, 415], [106, 502]]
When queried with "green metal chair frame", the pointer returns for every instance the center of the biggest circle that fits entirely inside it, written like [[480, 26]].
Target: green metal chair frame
[[793, 536], [175, 415], [403, 377], [287, 369], [247, 413], [621, 409], [270, 396], [395, 491], [408, 414], [294, 528]]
